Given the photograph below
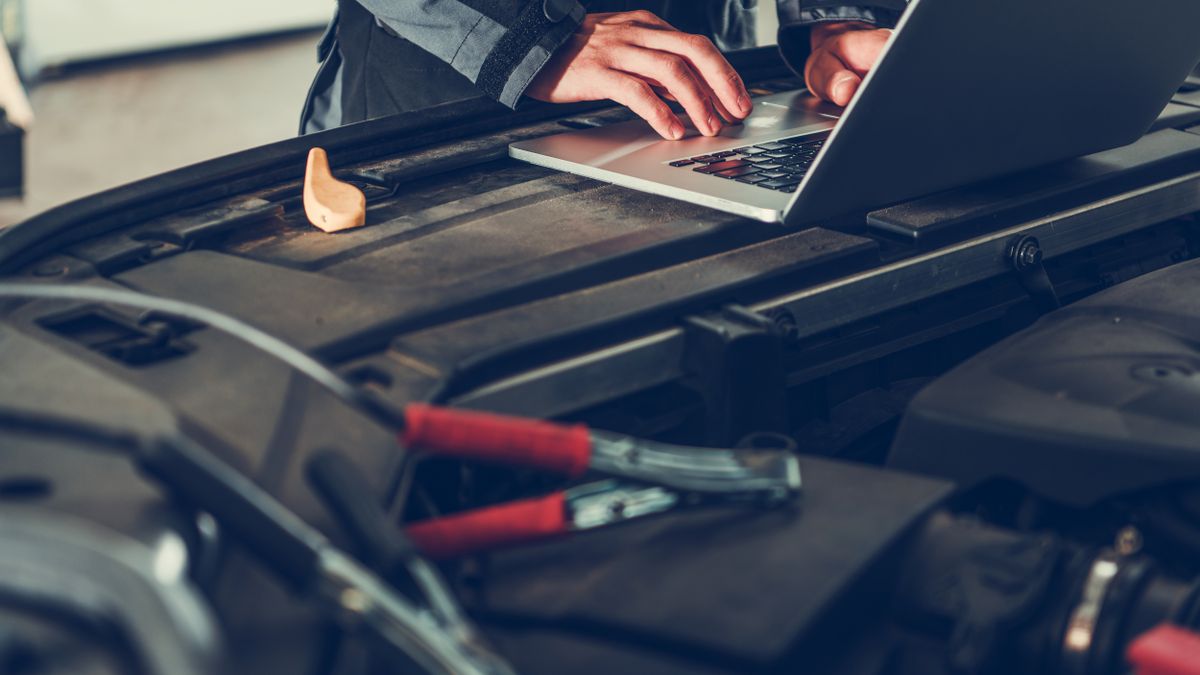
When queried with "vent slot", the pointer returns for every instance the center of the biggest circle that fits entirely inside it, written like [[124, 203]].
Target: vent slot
[[153, 340]]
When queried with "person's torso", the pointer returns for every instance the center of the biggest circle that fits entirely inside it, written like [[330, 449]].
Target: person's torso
[[383, 74]]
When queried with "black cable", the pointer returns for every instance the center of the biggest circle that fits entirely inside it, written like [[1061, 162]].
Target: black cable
[[295, 551], [69, 428], [373, 407], [348, 496], [190, 471]]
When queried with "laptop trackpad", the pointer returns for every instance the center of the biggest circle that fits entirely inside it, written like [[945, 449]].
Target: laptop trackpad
[[803, 101]]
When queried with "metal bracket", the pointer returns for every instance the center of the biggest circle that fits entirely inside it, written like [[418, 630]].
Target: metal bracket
[[606, 502], [766, 474], [1025, 256], [734, 358]]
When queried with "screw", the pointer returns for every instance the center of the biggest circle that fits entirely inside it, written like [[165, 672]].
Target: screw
[[785, 323], [632, 456], [50, 270], [1024, 253], [776, 495], [1128, 541], [1030, 254], [354, 603], [207, 525]]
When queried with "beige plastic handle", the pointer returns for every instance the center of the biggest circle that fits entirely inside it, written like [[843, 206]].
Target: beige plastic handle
[[329, 203]]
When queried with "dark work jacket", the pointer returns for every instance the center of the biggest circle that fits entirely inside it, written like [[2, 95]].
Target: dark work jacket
[[381, 57]]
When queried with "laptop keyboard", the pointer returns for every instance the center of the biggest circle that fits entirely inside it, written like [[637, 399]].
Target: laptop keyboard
[[778, 165]]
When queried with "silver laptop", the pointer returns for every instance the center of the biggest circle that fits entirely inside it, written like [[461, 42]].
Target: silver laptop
[[965, 90]]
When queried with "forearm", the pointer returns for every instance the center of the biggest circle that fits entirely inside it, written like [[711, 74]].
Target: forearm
[[497, 44]]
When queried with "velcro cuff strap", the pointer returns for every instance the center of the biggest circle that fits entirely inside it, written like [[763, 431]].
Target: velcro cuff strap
[[510, 50]]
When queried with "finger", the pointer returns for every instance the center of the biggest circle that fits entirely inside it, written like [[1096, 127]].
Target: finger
[[672, 72], [707, 61], [666, 95], [639, 97], [828, 78], [661, 91], [726, 116], [724, 112], [858, 49], [641, 16]]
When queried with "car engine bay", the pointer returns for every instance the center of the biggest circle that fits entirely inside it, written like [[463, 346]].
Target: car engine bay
[[982, 407]]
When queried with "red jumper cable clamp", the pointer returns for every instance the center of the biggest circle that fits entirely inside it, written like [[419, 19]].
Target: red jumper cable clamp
[[644, 477], [1166, 650]]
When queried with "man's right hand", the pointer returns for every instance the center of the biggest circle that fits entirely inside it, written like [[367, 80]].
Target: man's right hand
[[842, 53], [637, 59]]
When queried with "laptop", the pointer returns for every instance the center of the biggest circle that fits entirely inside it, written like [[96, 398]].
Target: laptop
[[965, 90]]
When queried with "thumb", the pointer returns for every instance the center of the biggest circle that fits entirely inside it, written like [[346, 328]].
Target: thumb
[[842, 87]]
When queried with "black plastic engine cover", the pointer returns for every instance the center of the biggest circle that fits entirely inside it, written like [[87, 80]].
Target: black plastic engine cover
[[1098, 398], [712, 590]]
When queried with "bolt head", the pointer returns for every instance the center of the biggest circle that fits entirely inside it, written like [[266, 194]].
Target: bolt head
[[50, 270], [354, 603], [1030, 254], [1128, 541]]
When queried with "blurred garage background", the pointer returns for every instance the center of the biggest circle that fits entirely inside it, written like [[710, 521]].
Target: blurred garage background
[[124, 89]]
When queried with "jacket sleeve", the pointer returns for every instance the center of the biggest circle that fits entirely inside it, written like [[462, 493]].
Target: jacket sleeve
[[497, 44], [796, 18]]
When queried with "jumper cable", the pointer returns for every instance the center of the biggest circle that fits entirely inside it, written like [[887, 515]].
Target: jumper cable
[[645, 477]]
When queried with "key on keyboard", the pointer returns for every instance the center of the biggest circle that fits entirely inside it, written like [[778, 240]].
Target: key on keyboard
[[777, 165], [722, 166]]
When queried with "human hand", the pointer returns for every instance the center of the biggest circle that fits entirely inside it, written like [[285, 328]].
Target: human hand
[[637, 59], [842, 53]]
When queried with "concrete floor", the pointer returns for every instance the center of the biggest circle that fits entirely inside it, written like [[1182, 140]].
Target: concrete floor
[[106, 125]]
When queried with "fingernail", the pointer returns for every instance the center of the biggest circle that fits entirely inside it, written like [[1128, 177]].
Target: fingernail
[[712, 124], [744, 105], [843, 90], [676, 131]]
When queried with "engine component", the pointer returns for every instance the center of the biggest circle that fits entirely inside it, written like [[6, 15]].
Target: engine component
[[1166, 650], [1096, 399], [85, 574]]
